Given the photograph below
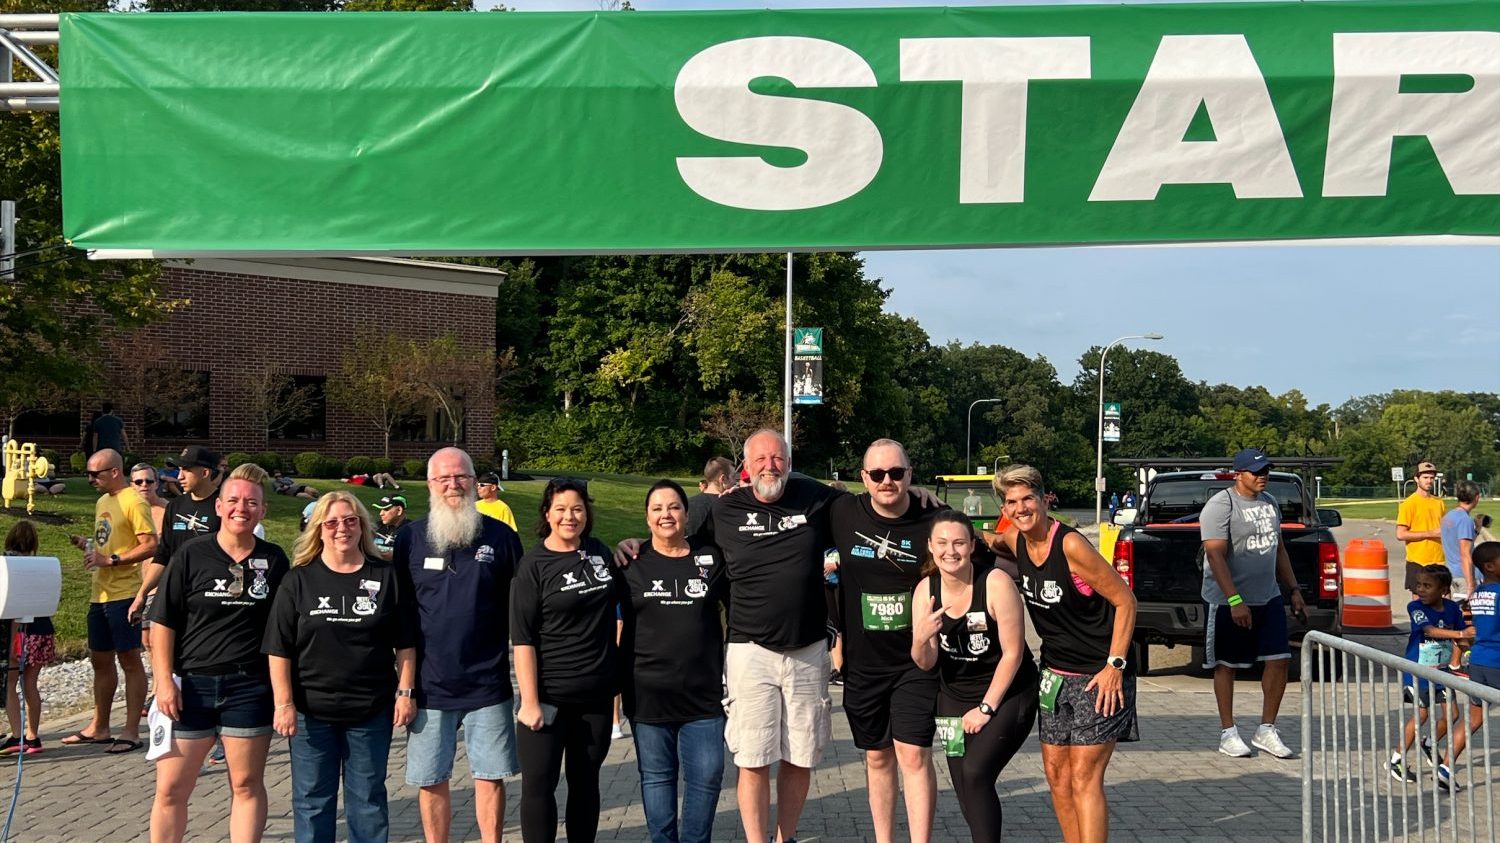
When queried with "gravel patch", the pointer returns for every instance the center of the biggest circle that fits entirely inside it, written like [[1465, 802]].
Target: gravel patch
[[68, 688]]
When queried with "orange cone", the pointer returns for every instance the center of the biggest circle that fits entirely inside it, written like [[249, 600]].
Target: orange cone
[[1367, 586]]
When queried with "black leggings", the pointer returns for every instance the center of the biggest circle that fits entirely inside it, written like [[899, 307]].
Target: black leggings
[[975, 772], [579, 733]]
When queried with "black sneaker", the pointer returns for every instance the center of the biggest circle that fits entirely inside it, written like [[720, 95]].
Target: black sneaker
[[11, 746], [835, 678], [1399, 771]]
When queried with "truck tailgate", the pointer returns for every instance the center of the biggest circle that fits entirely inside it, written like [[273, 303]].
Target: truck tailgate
[[1167, 567]]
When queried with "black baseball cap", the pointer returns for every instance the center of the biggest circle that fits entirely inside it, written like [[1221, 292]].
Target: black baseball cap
[[489, 478], [194, 456], [391, 500]]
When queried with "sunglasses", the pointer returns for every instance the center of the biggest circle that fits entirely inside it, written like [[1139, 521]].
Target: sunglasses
[[144, 481], [94, 475], [1263, 472], [349, 522], [577, 484], [236, 588], [879, 474]]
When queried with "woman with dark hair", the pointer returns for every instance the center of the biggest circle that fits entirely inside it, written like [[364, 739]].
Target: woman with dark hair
[[672, 659], [562, 626], [344, 668], [37, 646], [1085, 615], [968, 623]]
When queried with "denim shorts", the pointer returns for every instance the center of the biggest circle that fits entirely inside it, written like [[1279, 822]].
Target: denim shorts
[[489, 740], [234, 705], [110, 629]]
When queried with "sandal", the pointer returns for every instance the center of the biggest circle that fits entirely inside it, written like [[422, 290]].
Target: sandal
[[120, 746], [78, 738], [11, 746]]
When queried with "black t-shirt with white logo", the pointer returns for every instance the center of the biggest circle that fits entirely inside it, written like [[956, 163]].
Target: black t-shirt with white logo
[[880, 564], [341, 632], [773, 553], [672, 648], [186, 518], [219, 617], [385, 536], [564, 604]]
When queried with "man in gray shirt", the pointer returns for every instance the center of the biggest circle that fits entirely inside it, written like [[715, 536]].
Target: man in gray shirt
[[1246, 619]]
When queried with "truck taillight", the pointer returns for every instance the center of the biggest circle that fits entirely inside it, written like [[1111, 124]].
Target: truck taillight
[[1125, 560], [1328, 570]]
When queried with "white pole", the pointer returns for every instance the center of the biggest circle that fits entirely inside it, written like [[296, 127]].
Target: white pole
[[786, 414], [7, 233], [969, 431], [1099, 440]]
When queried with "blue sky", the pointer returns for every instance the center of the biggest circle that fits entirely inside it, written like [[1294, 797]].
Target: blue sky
[[1332, 321]]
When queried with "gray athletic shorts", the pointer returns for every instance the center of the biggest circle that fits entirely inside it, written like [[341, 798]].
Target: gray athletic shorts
[[1074, 722]]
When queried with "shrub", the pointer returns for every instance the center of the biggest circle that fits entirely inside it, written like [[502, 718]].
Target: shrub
[[239, 458], [48, 454], [269, 460], [383, 465], [77, 460], [308, 463], [415, 469], [160, 460], [359, 465], [330, 467]]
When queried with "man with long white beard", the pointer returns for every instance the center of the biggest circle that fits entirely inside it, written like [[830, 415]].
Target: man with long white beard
[[461, 564]]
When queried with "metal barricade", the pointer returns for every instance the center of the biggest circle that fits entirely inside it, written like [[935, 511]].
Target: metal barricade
[[1354, 716]]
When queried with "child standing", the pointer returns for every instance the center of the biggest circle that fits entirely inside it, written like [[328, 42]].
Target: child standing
[[1436, 623], [1484, 603], [39, 650]]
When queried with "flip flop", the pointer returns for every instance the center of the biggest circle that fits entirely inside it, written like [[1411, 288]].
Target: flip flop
[[78, 738], [117, 743]]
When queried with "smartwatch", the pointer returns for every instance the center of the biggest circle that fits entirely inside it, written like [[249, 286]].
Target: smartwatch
[[114, 559], [1116, 662], [405, 692], [984, 708]]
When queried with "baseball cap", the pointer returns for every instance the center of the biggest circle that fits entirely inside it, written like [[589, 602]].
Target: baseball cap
[[194, 456], [1251, 459], [489, 478], [1426, 468], [391, 500]]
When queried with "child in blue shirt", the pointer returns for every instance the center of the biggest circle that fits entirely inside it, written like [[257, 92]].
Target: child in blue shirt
[[1484, 605], [1436, 623]]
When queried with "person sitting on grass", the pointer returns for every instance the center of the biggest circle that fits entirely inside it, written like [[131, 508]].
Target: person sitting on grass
[[1436, 623], [38, 649]]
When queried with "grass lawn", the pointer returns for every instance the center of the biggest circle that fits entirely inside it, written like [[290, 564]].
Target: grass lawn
[[619, 510], [1387, 509]]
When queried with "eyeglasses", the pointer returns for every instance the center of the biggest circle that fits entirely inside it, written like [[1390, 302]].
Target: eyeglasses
[[452, 480], [879, 474], [348, 522], [143, 481], [236, 588]]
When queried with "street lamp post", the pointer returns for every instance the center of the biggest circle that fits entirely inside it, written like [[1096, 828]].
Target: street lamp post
[[969, 431], [1099, 442]]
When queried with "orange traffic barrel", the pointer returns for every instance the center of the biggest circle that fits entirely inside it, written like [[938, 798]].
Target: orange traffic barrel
[[1367, 586]]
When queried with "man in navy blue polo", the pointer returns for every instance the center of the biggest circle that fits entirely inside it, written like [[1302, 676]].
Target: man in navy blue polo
[[461, 564]]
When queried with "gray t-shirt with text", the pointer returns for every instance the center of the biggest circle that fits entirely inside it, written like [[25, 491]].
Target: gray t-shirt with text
[[1252, 526]]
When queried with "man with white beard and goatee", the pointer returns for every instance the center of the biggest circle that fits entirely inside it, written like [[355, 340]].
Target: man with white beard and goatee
[[461, 564]]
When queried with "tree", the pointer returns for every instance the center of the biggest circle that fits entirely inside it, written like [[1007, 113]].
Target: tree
[[279, 401], [733, 421], [377, 382], [446, 373]]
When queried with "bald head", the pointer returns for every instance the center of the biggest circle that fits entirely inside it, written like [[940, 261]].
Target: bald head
[[106, 471], [445, 458]]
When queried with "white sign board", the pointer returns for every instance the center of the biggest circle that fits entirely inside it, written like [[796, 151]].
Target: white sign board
[[1398, 474]]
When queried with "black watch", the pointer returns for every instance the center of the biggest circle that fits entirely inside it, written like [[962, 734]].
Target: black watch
[[114, 559], [984, 708]]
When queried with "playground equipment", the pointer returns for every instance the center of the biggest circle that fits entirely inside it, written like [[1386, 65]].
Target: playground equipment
[[22, 468]]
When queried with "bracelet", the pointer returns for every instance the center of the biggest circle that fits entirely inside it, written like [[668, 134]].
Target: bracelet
[[1235, 600], [284, 705]]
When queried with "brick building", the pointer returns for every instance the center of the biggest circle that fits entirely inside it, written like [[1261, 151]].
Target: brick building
[[285, 325]]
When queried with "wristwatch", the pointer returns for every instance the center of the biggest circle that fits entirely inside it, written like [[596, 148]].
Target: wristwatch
[[405, 692], [1116, 662], [984, 708], [114, 559]]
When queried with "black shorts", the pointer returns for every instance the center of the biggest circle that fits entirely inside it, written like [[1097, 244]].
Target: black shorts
[[236, 705], [894, 707], [1074, 721], [1227, 644], [109, 628]]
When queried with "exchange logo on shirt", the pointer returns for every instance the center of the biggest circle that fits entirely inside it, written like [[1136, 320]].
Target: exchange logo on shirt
[[784, 524]]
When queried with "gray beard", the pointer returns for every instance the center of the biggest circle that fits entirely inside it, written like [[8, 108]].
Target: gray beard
[[450, 528], [769, 490]]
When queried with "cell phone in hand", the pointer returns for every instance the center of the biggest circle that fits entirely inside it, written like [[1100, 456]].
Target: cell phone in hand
[[549, 714]]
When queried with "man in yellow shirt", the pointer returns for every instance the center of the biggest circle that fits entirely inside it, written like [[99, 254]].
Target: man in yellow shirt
[[124, 536], [489, 502], [1419, 523]]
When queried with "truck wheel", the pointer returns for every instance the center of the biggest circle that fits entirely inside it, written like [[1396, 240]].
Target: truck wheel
[[1196, 667], [1140, 656]]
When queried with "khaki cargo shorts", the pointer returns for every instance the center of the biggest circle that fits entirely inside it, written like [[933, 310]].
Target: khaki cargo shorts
[[778, 705]]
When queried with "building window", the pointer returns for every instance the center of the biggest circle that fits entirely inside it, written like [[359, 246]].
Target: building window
[[430, 426], [179, 405], [53, 423], [298, 407]]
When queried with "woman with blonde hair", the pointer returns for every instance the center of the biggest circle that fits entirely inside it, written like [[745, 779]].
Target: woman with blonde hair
[[343, 668]]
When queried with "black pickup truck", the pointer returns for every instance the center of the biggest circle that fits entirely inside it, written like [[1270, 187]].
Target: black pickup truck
[[1158, 552]]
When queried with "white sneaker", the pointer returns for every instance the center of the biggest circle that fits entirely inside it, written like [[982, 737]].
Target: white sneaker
[[1231, 745], [1267, 739], [616, 733]]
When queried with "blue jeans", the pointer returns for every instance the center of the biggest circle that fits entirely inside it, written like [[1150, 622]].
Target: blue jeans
[[697, 749], [320, 752]]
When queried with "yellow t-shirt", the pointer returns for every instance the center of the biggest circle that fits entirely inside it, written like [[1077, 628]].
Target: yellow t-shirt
[[497, 510], [1421, 512], [118, 519]]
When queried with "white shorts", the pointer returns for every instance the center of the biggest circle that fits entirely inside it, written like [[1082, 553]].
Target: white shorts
[[778, 705]]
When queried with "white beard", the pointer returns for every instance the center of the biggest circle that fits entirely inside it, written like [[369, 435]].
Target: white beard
[[450, 528], [769, 490]]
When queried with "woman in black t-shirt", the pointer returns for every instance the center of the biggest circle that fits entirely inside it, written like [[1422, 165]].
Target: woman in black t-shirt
[[562, 624], [969, 624], [210, 613], [672, 655], [343, 665]]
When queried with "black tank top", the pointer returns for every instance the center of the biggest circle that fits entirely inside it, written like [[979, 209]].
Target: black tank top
[[969, 646], [1075, 627]]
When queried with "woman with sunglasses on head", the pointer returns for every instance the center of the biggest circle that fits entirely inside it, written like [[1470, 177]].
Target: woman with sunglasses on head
[[562, 625], [343, 666], [672, 660], [210, 612], [968, 622]]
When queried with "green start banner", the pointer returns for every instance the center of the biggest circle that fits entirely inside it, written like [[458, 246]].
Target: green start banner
[[534, 133]]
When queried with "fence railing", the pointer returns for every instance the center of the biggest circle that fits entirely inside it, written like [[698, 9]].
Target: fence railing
[[1355, 712]]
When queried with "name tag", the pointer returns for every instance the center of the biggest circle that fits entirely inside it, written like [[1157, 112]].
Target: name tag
[[434, 563], [259, 565], [372, 586]]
